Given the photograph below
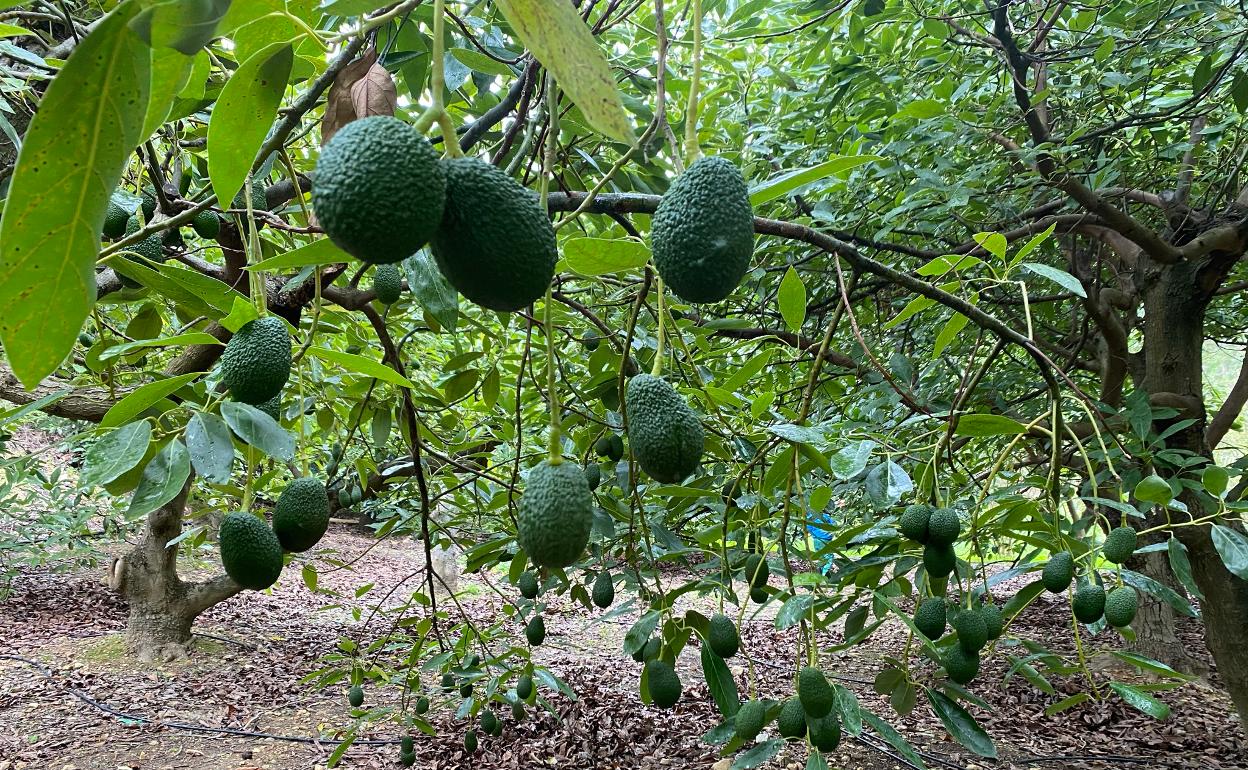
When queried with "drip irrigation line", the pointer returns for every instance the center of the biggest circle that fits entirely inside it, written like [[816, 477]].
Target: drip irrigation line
[[882, 748]]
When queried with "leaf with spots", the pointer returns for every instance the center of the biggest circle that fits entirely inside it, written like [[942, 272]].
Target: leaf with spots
[[243, 115], [73, 155]]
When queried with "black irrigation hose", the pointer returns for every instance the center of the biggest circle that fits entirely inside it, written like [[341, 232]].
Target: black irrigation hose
[[881, 748]]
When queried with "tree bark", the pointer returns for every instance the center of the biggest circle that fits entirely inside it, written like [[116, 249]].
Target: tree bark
[[163, 607], [1175, 298]]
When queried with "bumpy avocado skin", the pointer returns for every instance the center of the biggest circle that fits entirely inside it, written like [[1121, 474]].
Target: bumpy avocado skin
[[702, 234], [387, 284], [380, 189], [555, 514], [495, 245], [250, 552], [664, 432], [301, 515], [256, 361]]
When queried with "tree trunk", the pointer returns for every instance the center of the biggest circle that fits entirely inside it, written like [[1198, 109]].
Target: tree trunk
[[1174, 306], [162, 606]]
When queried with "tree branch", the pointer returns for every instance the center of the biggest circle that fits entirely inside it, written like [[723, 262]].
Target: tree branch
[[1230, 409]]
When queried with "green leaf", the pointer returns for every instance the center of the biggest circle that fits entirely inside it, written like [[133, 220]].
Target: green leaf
[[720, 682], [886, 483], [143, 397], [852, 459], [1215, 480], [482, 63], [243, 115], [18, 412], [912, 308], [182, 340], [988, 425], [1065, 703], [1033, 244], [1059, 277], [1158, 590], [114, 454], [640, 632], [602, 256], [72, 157], [211, 447], [961, 725], [1140, 700], [322, 252], [792, 299], [170, 72], [847, 706], [557, 36], [941, 265], [336, 755], [361, 365], [796, 608], [1233, 548], [12, 30], [1182, 567], [759, 754], [993, 243], [791, 180], [948, 333], [1154, 489], [183, 25], [1150, 665], [259, 430], [921, 109], [894, 738], [431, 290], [800, 434], [162, 480], [242, 313]]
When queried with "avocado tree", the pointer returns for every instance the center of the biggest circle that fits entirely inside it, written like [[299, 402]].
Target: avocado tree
[[846, 300]]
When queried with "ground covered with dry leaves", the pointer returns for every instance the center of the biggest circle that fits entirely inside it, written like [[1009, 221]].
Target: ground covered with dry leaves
[[245, 679]]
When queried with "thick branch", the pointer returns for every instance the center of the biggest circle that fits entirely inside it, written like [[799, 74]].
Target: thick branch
[[1230, 409]]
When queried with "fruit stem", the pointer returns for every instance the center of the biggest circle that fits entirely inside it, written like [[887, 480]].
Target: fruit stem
[[552, 398], [657, 369], [691, 114]]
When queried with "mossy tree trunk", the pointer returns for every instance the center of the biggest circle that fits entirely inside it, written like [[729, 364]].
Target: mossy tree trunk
[[163, 607]]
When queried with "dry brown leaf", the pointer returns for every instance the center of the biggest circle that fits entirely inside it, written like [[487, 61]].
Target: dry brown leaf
[[339, 105], [375, 93]]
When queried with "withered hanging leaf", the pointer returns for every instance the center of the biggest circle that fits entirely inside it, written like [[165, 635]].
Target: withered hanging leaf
[[339, 105], [375, 93]]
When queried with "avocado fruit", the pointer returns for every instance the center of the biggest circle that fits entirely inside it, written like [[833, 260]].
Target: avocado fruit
[[604, 590], [555, 514], [943, 527], [792, 720], [664, 433], [939, 560], [387, 284], [825, 732], [495, 243], [913, 522], [535, 631], [930, 617], [1088, 603], [721, 635], [206, 224], [960, 664], [1058, 572], [1121, 604], [527, 583], [972, 631], [750, 719], [702, 233], [250, 552], [815, 693], [355, 696], [1119, 544], [301, 514], [663, 682], [256, 362], [380, 189]]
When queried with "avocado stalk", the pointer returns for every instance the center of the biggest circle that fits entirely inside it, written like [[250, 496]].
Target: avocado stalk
[[692, 151], [657, 368], [548, 164], [436, 113]]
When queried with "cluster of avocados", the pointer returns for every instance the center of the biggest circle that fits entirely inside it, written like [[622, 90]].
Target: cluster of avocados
[[937, 529], [809, 713], [382, 193], [253, 553], [1090, 601]]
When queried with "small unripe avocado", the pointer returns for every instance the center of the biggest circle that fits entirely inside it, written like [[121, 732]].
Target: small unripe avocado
[[1088, 602], [490, 724], [593, 476], [757, 571], [972, 631], [702, 233], [649, 651], [939, 560], [527, 583], [914, 521], [380, 189], [407, 758], [759, 595], [535, 631], [206, 224], [815, 693], [1058, 572], [994, 621], [355, 696], [422, 705], [470, 741], [406, 744], [115, 219], [387, 284], [1119, 544], [590, 340], [750, 719], [663, 683], [825, 733], [960, 665], [604, 590], [1120, 606], [256, 361], [930, 617], [792, 721], [465, 689], [495, 243], [943, 527], [721, 635], [665, 434], [517, 712], [272, 407], [448, 682], [555, 514], [524, 687], [610, 446], [301, 514]]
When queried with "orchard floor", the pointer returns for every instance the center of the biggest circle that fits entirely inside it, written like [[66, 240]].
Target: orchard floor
[[255, 649]]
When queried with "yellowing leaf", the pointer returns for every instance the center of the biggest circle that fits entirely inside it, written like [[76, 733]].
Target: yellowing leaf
[[73, 155], [555, 34]]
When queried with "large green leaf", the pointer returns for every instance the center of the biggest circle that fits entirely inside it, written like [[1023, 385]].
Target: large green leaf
[[894, 738], [758, 754], [259, 430], [1233, 548], [170, 72], [115, 453], [1158, 590], [720, 682], [563, 44], [211, 447], [162, 479], [361, 365], [600, 256], [961, 725], [319, 252], [183, 25], [242, 117], [1182, 566], [792, 180], [792, 299], [1140, 700], [435, 295], [74, 151], [143, 397], [988, 425]]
